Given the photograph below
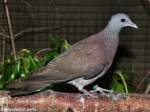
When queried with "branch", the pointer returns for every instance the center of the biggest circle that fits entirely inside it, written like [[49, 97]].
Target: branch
[[4, 48], [40, 52], [147, 89], [26, 3], [32, 29], [17, 35], [71, 102], [10, 29], [145, 77]]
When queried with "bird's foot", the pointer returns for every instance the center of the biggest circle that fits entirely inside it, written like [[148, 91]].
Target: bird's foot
[[85, 92], [101, 90], [118, 96], [108, 93]]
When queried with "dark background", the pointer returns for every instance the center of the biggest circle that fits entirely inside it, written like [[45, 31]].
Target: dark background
[[75, 20]]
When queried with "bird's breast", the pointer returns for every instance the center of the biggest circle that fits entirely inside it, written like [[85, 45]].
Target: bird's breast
[[97, 54]]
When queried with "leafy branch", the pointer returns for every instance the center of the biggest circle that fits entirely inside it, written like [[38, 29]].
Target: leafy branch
[[27, 62]]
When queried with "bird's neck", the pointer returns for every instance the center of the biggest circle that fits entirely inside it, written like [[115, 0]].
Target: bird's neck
[[112, 29], [111, 39], [111, 35]]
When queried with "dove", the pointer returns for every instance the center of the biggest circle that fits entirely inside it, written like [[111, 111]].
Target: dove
[[82, 64]]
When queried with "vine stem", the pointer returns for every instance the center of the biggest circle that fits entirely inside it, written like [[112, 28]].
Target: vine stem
[[124, 82], [10, 29]]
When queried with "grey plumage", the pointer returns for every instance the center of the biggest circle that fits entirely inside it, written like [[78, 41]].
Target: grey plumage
[[82, 64]]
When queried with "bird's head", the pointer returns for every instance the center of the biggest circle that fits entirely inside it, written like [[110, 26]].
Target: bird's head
[[119, 21]]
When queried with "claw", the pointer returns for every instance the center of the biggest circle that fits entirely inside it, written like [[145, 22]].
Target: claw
[[85, 92]]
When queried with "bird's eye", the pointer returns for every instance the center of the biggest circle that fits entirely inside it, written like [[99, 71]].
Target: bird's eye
[[123, 20]]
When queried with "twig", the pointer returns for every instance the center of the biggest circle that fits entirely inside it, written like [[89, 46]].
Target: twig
[[123, 81], [69, 102], [4, 49], [147, 89], [16, 36], [26, 3], [137, 88], [42, 50], [10, 29], [3, 45], [32, 29]]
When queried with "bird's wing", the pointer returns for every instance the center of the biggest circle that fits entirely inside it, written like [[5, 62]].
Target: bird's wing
[[80, 60]]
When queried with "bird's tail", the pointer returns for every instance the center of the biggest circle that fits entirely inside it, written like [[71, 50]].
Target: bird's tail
[[25, 88]]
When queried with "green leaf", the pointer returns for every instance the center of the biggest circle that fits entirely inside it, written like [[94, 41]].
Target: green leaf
[[16, 71], [51, 55], [38, 61], [65, 45], [8, 70], [33, 64], [56, 41], [25, 53], [119, 88], [24, 75], [116, 86], [26, 62]]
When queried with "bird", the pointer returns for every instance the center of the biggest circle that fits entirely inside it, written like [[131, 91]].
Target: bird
[[82, 64]]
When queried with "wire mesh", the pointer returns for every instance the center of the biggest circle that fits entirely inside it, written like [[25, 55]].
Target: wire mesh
[[75, 20]]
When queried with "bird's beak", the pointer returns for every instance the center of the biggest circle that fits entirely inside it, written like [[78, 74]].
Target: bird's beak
[[131, 24]]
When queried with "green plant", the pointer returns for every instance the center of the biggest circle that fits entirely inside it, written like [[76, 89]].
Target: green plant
[[59, 45], [120, 83], [27, 62]]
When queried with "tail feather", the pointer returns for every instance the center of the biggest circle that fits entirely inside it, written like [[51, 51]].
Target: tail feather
[[17, 89]]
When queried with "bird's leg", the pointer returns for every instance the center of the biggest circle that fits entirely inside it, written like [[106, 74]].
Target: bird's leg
[[101, 90], [85, 92], [77, 83]]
